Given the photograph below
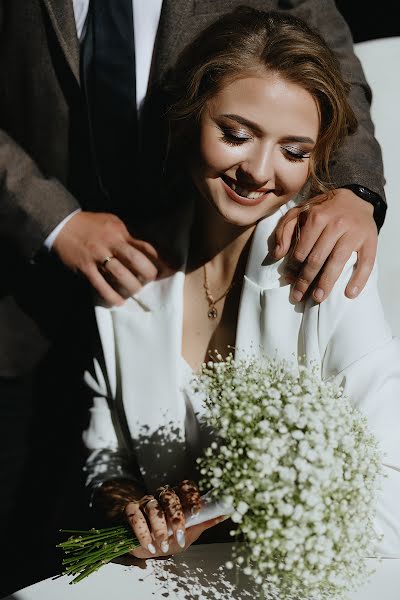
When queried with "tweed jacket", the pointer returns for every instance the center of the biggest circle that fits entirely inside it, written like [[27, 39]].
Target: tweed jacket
[[45, 170]]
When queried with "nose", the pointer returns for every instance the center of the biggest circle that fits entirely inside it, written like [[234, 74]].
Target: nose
[[258, 168]]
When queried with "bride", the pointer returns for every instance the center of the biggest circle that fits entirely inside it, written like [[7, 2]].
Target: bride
[[257, 106]]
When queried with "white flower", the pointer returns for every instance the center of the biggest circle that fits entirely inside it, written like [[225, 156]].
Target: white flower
[[292, 413], [218, 472], [299, 465], [242, 507], [236, 517]]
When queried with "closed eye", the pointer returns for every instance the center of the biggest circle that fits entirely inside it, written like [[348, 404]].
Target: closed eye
[[294, 154], [233, 137]]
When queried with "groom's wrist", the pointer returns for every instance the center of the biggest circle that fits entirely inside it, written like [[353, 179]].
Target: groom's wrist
[[372, 198]]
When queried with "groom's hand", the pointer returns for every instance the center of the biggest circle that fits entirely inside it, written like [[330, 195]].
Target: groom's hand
[[99, 246], [331, 230]]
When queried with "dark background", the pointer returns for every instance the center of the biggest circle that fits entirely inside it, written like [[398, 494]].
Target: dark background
[[370, 20]]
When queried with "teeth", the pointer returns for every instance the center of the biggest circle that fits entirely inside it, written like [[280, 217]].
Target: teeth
[[244, 192], [250, 195]]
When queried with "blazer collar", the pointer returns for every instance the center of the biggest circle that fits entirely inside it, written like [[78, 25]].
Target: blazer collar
[[61, 14], [261, 269], [268, 321]]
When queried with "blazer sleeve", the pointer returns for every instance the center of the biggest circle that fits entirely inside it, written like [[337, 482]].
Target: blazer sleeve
[[31, 205], [359, 160], [110, 455], [360, 353]]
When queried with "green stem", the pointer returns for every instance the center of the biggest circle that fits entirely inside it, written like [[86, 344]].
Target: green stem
[[90, 549]]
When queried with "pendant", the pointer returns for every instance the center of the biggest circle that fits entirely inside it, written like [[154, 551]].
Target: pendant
[[212, 313]]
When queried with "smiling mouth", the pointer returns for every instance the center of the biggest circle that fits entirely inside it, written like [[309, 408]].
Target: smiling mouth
[[243, 191]]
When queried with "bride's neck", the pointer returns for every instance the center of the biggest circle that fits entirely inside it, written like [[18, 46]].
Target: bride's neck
[[215, 242]]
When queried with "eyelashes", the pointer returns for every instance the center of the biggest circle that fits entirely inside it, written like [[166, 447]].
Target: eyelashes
[[294, 154], [233, 138], [236, 138]]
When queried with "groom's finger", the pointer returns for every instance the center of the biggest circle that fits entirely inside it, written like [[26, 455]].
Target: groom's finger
[[284, 233], [121, 278], [102, 287]]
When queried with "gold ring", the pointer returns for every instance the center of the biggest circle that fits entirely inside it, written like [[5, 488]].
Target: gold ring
[[161, 491], [149, 503], [106, 260]]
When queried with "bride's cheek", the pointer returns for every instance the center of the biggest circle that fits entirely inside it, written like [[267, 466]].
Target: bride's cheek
[[299, 177], [214, 153]]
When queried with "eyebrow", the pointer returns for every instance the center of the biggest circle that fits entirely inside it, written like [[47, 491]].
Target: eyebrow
[[258, 130]]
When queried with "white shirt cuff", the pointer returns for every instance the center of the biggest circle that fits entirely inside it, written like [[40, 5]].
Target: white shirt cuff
[[49, 241]]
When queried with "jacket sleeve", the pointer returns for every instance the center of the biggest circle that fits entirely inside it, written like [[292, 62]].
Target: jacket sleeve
[[359, 160], [361, 354], [31, 205]]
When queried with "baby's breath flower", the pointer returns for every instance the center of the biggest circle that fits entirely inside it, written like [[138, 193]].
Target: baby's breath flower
[[301, 469]]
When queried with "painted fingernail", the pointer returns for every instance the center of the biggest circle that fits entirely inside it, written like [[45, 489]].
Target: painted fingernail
[[151, 549], [297, 295], [354, 291], [164, 546], [180, 538], [319, 294]]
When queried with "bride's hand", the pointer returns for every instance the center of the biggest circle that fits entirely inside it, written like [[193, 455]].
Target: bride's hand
[[151, 517]]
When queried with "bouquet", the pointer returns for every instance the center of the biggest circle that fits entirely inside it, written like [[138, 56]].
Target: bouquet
[[301, 470], [296, 467]]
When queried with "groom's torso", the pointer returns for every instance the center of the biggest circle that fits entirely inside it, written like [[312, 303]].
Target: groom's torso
[[42, 108], [41, 101]]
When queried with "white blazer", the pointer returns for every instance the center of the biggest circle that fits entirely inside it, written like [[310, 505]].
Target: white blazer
[[136, 376]]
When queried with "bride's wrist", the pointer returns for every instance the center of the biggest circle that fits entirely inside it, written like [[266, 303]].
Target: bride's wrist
[[112, 497]]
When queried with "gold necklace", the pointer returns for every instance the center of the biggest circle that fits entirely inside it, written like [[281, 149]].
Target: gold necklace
[[212, 309]]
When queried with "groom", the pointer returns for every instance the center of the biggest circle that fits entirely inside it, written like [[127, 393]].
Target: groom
[[74, 76]]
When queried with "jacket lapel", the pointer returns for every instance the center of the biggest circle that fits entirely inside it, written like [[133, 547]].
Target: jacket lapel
[[149, 333], [61, 14], [144, 366], [268, 323]]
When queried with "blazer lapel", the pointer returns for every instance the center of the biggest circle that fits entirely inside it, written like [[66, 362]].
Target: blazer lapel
[[148, 330], [268, 323], [144, 364], [61, 14]]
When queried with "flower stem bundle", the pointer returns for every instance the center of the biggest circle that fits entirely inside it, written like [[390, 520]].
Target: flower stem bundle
[[87, 551]]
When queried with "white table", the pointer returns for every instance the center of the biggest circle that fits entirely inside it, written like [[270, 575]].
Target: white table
[[196, 574]]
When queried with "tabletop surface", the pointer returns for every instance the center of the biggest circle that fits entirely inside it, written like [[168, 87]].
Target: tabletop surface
[[198, 573]]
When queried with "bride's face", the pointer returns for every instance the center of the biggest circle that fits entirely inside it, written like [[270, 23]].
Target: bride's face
[[255, 140]]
